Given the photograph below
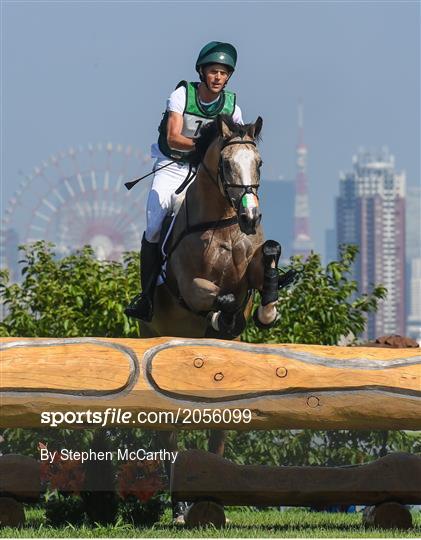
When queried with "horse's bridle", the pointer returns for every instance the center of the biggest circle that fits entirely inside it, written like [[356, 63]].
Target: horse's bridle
[[221, 177]]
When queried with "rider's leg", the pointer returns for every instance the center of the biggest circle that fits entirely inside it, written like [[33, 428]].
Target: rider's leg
[[141, 307], [165, 182]]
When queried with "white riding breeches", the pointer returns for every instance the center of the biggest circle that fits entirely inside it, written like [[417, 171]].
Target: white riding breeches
[[160, 198]]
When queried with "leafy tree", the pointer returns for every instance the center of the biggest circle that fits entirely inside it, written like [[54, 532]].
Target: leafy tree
[[81, 296], [69, 297], [323, 306], [73, 296]]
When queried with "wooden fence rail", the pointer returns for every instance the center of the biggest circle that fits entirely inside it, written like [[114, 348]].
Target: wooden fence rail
[[283, 386]]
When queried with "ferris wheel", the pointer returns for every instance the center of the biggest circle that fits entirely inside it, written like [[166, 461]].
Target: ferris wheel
[[78, 197]]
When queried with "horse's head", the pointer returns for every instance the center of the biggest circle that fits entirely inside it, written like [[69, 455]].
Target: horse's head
[[236, 161], [239, 170]]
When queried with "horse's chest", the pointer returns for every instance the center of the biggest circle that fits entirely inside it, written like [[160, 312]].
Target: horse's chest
[[228, 260]]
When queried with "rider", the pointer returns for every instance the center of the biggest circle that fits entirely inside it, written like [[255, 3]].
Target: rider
[[189, 107]]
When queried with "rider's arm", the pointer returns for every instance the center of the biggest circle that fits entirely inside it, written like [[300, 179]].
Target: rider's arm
[[175, 139], [237, 116]]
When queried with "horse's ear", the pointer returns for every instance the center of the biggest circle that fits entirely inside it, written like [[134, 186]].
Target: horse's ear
[[256, 128], [223, 128]]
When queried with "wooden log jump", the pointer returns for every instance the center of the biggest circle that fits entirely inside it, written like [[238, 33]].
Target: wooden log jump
[[284, 386], [199, 475], [20, 477], [19, 482]]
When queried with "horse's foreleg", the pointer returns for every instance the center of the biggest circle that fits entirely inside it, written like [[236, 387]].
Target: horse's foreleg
[[199, 294], [167, 440], [264, 272]]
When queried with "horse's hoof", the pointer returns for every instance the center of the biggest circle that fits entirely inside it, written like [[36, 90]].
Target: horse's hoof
[[271, 251], [178, 510], [231, 328], [261, 325], [226, 302], [179, 520], [140, 308]]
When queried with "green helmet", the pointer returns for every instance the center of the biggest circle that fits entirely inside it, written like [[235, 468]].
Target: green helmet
[[217, 52]]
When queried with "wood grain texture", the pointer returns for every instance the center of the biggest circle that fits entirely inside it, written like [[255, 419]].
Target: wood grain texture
[[285, 386], [200, 475]]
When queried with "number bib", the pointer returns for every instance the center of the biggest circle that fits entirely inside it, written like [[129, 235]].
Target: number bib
[[194, 117], [192, 125]]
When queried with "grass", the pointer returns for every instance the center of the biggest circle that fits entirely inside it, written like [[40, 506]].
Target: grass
[[244, 523]]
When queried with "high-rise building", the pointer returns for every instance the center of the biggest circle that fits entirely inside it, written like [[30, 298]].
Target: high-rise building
[[331, 246], [370, 212], [413, 262], [413, 328], [413, 222], [277, 205], [302, 244]]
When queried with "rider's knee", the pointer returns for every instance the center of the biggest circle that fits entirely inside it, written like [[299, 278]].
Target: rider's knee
[[152, 235]]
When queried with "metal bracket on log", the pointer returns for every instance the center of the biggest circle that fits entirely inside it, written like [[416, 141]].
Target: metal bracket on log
[[284, 386]]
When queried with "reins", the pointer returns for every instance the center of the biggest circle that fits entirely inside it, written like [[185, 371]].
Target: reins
[[217, 224]]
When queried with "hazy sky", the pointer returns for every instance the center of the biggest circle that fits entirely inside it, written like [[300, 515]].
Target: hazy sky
[[80, 72]]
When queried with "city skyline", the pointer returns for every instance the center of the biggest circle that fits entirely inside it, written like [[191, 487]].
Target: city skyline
[[109, 81], [370, 212], [281, 229]]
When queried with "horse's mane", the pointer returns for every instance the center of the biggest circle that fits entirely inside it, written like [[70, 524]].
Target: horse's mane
[[209, 132]]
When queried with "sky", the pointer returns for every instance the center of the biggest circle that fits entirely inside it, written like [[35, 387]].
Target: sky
[[74, 73]]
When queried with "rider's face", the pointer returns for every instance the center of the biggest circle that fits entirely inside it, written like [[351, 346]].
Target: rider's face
[[216, 76]]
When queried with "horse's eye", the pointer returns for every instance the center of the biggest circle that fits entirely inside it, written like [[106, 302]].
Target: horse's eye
[[260, 164]]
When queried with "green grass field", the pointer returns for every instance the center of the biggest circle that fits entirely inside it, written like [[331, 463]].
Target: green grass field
[[244, 523]]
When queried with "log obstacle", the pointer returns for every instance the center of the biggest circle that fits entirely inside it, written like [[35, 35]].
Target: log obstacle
[[19, 482], [388, 515], [199, 475], [20, 477], [284, 386], [210, 482]]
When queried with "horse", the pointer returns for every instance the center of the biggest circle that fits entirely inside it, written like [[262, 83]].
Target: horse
[[216, 256]]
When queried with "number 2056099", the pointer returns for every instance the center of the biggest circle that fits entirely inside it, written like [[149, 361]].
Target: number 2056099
[[217, 416]]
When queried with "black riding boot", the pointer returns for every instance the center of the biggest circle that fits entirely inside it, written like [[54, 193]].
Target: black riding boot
[[141, 307]]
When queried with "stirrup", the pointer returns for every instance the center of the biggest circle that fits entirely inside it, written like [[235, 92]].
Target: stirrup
[[140, 308]]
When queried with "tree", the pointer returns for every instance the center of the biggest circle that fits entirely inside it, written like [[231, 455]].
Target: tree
[[69, 297], [76, 295], [323, 306], [81, 296]]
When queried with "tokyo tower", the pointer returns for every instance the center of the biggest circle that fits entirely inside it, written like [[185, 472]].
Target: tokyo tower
[[302, 244]]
